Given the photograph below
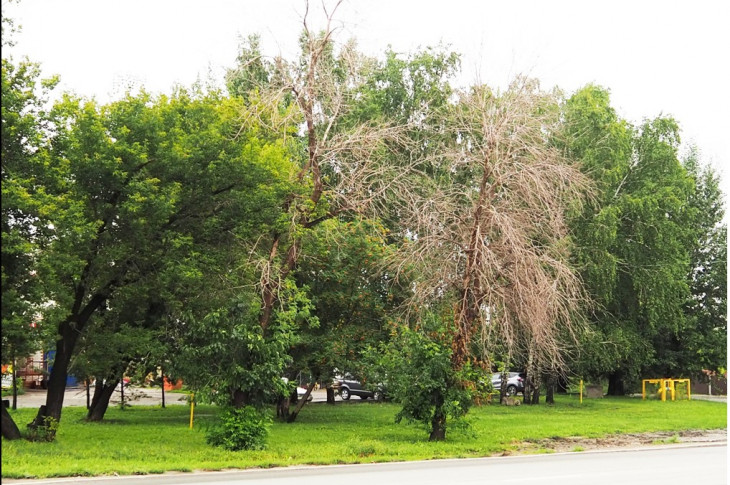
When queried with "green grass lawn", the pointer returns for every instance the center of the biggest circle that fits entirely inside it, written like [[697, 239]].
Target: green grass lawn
[[145, 439]]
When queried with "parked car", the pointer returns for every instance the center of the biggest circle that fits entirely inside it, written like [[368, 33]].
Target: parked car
[[348, 386], [515, 383], [301, 391]]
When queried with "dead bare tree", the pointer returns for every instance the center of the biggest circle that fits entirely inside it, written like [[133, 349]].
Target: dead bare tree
[[348, 163], [490, 231]]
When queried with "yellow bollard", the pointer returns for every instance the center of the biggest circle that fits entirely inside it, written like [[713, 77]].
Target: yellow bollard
[[192, 407], [581, 391]]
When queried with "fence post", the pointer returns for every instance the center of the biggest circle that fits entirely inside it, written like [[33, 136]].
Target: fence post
[[192, 408], [581, 391]]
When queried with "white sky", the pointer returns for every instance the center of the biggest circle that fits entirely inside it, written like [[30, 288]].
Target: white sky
[[655, 56]]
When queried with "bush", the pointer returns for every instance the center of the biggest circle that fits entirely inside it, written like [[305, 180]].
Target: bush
[[44, 432], [240, 429]]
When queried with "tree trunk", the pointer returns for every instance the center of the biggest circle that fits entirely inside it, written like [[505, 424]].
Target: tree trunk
[[282, 408], [616, 384], [550, 390], [163, 391], [240, 399], [57, 378], [503, 386], [438, 422], [10, 430], [330, 395], [536, 391], [303, 401], [15, 385], [100, 403]]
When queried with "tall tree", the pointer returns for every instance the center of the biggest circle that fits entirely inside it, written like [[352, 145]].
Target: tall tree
[[633, 238], [143, 185], [25, 205], [489, 231], [701, 344], [345, 164]]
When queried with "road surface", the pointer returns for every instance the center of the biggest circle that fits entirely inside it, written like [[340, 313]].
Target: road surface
[[678, 464]]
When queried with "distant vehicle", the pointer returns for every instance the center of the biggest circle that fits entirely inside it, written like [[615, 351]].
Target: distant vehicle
[[300, 390], [349, 386], [515, 383]]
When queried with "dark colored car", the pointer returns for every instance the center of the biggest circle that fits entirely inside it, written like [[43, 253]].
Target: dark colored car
[[515, 382], [349, 386]]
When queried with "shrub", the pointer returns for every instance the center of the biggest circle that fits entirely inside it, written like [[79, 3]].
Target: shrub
[[243, 428], [44, 432]]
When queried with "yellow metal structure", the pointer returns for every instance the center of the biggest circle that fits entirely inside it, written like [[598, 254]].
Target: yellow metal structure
[[666, 386], [581, 391], [192, 408]]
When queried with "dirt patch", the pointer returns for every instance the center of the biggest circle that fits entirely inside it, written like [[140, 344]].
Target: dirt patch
[[616, 441]]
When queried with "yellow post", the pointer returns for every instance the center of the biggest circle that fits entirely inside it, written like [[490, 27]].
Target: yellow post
[[192, 408], [581, 391], [643, 389], [689, 393]]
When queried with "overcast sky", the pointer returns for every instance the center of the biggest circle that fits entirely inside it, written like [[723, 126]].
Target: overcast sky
[[670, 57]]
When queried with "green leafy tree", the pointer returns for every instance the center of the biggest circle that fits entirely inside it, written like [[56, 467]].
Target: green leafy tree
[[633, 237], [25, 205], [701, 344], [418, 368], [145, 186], [226, 357]]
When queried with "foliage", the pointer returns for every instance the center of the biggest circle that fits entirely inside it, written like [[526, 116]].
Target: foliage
[[25, 209], [342, 265], [238, 429], [632, 239], [419, 375], [226, 352], [702, 342], [45, 432]]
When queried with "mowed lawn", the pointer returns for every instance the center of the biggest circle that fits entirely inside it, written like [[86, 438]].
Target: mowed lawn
[[141, 439]]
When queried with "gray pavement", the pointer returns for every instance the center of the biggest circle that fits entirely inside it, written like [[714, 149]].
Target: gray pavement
[[146, 396], [647, 466]]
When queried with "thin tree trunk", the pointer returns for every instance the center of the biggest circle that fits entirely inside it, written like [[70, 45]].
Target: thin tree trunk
[[15, 384], [302, 401], [330, 395], [10, 430], [163, 389], [536, 391]]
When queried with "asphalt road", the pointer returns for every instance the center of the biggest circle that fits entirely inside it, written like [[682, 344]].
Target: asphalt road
[[76, 396], [646, 466]]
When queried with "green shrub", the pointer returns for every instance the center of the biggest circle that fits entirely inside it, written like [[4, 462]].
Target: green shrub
[[45, 432], [243, 428]]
